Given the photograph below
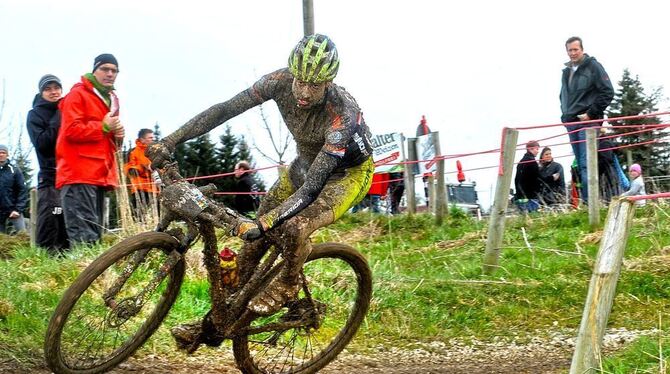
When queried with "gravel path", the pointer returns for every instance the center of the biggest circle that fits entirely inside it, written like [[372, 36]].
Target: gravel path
[[551, 354]]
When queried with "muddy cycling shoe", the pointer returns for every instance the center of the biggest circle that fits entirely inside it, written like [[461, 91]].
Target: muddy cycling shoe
[[274, 296], [189, 336], [186, 335]]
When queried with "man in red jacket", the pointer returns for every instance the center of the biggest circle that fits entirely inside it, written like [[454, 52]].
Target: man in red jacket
[[143, 188], [85, 163]]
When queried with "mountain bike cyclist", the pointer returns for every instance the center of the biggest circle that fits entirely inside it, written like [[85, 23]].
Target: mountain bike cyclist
[[331, 173]]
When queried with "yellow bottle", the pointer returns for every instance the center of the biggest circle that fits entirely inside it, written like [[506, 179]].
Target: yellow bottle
[[228, 263]]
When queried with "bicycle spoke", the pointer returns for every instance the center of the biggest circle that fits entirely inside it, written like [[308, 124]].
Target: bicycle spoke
[[322, 320]]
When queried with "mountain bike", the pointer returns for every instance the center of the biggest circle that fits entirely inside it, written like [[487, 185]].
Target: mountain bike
[[121, 298]]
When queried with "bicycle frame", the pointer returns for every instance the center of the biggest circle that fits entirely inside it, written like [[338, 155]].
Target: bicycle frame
[[184, 201]]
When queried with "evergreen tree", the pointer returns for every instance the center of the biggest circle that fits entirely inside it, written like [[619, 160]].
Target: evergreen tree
[[232, 150], [157, 132], [227, 156], [200, 159], [632, 100], [21, 158]]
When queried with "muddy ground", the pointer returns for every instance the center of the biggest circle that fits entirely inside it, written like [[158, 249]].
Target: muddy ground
[[551, 354]]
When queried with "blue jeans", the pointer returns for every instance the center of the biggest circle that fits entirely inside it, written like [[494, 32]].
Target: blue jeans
[[528, 205], [579, 150]]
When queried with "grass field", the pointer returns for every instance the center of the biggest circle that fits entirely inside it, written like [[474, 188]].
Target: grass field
[[428, 284]]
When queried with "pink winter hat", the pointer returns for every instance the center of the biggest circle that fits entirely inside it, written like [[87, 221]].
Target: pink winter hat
[[636, 167]]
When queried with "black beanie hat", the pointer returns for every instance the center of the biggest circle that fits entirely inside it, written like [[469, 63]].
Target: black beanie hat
[[46, 79], [105, 58]]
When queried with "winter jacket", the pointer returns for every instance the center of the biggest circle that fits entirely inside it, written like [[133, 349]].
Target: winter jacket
[[43, 123], [246, 203], [13, 192], [527, 179], [84, 152], [552, 190], [141, 178], [590, 91]]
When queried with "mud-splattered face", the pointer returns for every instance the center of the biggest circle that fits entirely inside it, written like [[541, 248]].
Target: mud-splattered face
[[308, 94]]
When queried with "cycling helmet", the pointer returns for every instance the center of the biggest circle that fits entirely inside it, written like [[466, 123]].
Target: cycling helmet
[[314, 59]]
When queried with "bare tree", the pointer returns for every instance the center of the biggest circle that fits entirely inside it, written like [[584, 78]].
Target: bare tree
[[280, 138]]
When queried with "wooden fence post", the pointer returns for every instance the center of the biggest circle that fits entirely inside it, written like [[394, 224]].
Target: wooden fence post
[[441, 188], [587, 356], [592, 177], [410, 181], [408, 177], [33, 217], [497, 219]]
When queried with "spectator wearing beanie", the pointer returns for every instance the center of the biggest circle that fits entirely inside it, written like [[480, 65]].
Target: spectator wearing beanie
[[88, 137], [43, 123], [636, 184]]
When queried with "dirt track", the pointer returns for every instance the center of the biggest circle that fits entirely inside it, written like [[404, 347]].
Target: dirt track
[[546, 355]]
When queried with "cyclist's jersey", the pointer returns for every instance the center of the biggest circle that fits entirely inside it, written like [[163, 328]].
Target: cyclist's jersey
[[330, 137]]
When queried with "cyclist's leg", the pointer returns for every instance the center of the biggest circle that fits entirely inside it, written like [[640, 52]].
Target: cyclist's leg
[[252, 252], [339, 194]]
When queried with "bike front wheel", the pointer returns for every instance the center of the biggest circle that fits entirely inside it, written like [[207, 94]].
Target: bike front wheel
[[310, 332], [114, 305]]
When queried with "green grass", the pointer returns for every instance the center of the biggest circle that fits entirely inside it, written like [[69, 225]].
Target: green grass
[[428, 284]]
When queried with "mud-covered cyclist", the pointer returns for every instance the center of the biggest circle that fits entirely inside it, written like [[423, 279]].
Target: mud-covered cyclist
[[331, 173]]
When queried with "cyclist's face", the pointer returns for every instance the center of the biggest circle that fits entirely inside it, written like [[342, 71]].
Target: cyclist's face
[[308, 94]]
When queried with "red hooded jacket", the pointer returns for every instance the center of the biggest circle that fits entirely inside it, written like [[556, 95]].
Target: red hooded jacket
[[84, 153]]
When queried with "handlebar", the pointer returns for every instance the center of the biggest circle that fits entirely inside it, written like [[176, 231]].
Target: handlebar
[[194, 203]]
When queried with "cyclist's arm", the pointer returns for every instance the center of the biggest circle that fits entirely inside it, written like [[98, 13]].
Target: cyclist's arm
[[263, 90]]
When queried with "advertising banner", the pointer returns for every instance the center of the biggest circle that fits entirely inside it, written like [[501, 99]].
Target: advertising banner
[[387, 149]]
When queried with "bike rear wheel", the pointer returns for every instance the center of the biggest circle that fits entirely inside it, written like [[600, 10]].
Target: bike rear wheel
[[340, 283], [114, 305]]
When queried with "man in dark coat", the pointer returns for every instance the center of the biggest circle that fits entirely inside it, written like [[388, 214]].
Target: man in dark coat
[[246, 202], [586, 92], [43, 123], [552, 180], [527, 179], [13, 196]]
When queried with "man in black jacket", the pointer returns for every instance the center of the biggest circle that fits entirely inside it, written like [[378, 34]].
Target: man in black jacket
[[12, 193], [43, 123], [527, 179], [246, 202], [586, 92]]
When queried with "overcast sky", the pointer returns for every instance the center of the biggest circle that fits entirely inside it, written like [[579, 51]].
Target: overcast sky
[[471, 67]]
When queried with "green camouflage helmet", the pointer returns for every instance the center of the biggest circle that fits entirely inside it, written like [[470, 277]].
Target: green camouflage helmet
[[314, 59]]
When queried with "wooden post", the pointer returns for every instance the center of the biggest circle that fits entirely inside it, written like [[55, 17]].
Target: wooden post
[[441, 188], [33, 217], [592, 177], [408, 175], [308, 17], [629, 158], [105, 213], [587, 356], [497, 218], [431, 193], [410, 184]]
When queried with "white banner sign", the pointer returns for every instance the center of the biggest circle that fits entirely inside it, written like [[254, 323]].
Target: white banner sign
[[387, 148], [425, 151]]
